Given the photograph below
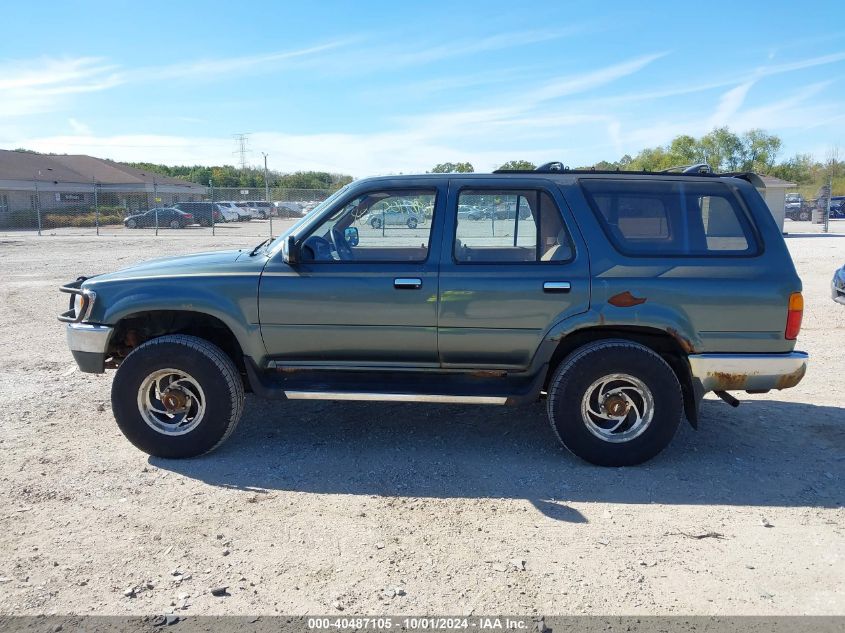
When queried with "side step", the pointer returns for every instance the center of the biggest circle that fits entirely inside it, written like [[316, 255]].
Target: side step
[[385, 386], [365, 396]]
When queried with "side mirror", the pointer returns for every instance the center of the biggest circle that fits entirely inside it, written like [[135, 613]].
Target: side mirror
[[290, 251], [351, 236]]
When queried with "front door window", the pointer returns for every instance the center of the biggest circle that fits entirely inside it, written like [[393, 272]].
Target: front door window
[[379, 226]]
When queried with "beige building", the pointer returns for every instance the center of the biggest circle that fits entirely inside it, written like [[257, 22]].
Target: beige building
[[64, 182]]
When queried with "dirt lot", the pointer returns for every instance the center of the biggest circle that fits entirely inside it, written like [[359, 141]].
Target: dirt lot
[[389, 508]]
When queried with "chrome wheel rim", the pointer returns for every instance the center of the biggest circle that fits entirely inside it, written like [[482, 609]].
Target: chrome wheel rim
[[617, 408], [171, 402]]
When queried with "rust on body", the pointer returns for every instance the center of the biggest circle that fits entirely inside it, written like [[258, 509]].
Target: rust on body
[[626, 300]]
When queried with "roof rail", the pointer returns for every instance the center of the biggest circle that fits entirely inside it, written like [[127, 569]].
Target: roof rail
[[544, 168], [697, 168]]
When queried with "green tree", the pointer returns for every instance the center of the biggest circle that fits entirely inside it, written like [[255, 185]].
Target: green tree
[[798, 169], [518, 165], [450, 168], [759, 150], [723, 150]]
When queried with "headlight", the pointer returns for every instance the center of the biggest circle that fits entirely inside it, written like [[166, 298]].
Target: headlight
[[79, 305], [82, 304]]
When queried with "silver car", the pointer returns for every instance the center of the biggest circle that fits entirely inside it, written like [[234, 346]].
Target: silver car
[[395, 214]]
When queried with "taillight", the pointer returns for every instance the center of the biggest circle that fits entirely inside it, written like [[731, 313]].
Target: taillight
[[793, 316]]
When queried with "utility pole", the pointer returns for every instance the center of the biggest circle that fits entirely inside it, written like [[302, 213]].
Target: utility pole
[[155, 202], [96, 205], [38, 203], [267, 193], [213, 208]]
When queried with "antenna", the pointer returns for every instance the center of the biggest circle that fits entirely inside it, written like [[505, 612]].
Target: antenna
[[242, 141]]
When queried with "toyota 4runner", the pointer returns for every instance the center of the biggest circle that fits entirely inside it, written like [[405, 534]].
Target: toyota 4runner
[[618, 298]]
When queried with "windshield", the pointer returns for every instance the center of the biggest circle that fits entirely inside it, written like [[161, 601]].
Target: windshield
[[277, 242]]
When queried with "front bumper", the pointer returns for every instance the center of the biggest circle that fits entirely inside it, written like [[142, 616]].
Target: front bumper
[[89, 343], [748, 372]]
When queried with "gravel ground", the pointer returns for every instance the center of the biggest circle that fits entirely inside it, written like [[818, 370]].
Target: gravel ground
[[404, 508]]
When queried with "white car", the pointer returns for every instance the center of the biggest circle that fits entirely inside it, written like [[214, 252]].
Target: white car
[[232, 212]]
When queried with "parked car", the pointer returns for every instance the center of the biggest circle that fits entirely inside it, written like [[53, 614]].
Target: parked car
[[289, 209], [395, 213], [165, 217], [205, 213], [796, 207], [258, 208], [232, 212], [837, 286], [837, 206], [620, 320]]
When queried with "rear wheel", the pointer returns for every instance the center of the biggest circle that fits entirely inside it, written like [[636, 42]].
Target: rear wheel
[[804, 215], [375, 223], [615, 403], [177, 396], [174, 224], [412, 223]]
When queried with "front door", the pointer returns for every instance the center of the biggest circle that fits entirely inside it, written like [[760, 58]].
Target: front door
[[365, 291], [512, 265]]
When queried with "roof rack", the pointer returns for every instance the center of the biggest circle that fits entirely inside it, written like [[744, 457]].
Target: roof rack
[[699, 169]]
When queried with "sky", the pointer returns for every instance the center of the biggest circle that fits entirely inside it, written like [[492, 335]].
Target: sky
[[366, 88]]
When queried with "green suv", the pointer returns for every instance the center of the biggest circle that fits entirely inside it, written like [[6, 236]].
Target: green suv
[[619, 298]]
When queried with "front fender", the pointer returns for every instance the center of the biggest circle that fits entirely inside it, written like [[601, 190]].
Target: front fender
[[231, 299]]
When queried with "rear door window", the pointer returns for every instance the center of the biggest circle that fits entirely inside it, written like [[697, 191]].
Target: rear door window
[[665, 217]]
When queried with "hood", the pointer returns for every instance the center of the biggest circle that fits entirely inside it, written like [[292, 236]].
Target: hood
[[199, 263]]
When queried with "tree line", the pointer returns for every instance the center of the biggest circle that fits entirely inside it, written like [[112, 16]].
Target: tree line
[[250, 177], [724, 150]]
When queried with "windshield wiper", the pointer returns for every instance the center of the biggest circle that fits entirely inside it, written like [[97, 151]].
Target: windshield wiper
[[255, 250]]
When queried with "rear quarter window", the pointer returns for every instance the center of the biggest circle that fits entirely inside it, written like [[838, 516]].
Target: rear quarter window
[[666, 217]]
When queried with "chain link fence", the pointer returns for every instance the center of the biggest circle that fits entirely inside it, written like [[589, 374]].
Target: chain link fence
[[47, 209]]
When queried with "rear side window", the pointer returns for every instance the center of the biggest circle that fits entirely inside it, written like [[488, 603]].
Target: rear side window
[[664, 217]]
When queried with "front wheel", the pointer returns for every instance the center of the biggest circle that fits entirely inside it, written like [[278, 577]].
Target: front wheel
[[412, 223], [177, 396], [804, 216], [131, 224], [375, 223], [615, 403]]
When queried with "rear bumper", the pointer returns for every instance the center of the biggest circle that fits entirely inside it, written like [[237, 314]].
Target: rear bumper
[[748, 372], [89, 343]]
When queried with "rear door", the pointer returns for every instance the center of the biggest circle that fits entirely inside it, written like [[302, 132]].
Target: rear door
[[507, 278]]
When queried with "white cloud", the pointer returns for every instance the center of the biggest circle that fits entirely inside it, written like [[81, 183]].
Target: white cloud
[[43, 85], [78, 127], [729, 104]]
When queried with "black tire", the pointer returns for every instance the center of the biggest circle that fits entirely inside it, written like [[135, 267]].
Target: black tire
[[131, 224], [412, 223], [575, 378], [804, 216], [375, 223], [175, 224], [208, 365]]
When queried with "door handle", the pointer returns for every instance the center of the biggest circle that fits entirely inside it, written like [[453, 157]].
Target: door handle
[[407, 283], [557, 286]]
